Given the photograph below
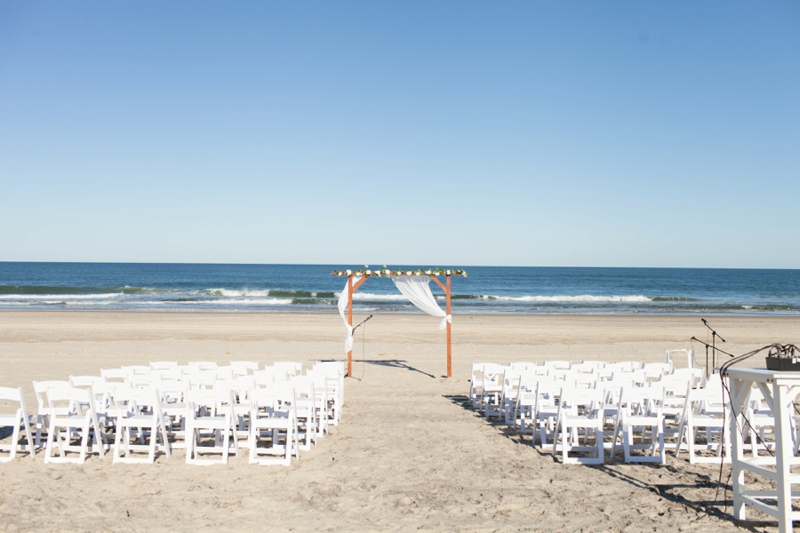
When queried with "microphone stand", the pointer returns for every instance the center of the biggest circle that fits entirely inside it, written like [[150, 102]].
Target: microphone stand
[[366, 319], [713, 347]]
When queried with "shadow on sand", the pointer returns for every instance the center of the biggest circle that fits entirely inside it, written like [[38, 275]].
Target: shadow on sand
[[676, 493], [391, 363]]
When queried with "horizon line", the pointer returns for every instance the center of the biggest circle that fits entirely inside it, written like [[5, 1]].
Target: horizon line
[[400, 264]]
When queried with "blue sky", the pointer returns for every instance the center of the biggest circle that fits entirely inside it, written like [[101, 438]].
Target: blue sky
[[474, 133]]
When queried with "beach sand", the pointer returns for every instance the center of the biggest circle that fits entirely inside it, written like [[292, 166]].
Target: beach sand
[[408, 454]]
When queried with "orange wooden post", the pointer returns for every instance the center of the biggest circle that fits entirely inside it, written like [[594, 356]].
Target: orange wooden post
[[449, 327], [350, 321]]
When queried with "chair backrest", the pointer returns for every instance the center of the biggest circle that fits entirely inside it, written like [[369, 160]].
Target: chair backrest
[[521, 366], [278, 375], [204, 379], [584, 368], [167, 373], [584, 381], [8, 394], [240, 387], [137, 370], [558, 365], [40, 390], [673, 355], [286, 399], [290, 367], [595, 364], [656, 370], [562, 374], [74, 397], [263, 399], [333, 368], [203, 365], [173, 390], [244, 368], [643, 400], [214, 400], [593, 400], [163, 365], [548, 392], [115, 374], [695, 374], [264, 379], [138, 400], [86, 381]]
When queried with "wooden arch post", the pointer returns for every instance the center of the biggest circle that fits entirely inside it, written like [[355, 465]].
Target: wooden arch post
[[446, 288], [350, 290]]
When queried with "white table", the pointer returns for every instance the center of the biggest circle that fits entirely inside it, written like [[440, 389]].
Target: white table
[[779, 389]]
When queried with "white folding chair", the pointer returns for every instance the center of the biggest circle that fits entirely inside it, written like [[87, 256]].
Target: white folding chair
[[80, 421], [334, 371], [322, 401], [43, 410], [139, 416], [305, 412], [173, 406], [210, 410], [698, 421], [492, 389], [641, 422], [580, 419], [331, 407], [19, 419], [273, 427], [241, 389], [546, 411]]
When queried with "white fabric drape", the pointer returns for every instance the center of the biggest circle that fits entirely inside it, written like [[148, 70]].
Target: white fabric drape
[[348, 340], [417, 289]]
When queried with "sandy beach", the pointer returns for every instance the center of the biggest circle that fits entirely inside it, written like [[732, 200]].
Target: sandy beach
[[409, 455]]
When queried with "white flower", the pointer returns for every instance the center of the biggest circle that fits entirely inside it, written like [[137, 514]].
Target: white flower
[[408, 273], [448, 272], [349, 272], [369, 272], [428, 272]]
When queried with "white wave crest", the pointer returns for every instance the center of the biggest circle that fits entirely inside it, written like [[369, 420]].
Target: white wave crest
[[379, 297], [243, 301], [586, 298], [60, 296], [231, 293]]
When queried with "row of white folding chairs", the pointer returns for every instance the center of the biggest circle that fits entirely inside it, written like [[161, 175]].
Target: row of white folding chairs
[[330, 390], [687, 416], [498, 388], [224, 410], [487, 378], [643, 417], [173, 370]]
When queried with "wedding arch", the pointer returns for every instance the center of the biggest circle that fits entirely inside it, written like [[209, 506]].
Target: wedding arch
[[414, 285]]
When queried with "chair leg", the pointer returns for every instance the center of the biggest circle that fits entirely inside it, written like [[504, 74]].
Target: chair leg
[[165, 437], [28, 435]]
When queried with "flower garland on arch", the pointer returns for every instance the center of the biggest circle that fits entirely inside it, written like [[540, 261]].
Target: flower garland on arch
[[366, 271]]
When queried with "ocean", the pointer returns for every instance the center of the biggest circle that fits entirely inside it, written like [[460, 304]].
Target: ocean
[[312, 288]]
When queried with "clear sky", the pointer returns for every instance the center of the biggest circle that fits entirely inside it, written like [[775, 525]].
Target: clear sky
[[466, 133]]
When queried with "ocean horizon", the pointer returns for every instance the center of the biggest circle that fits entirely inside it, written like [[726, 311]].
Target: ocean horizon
[[313, 288]]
